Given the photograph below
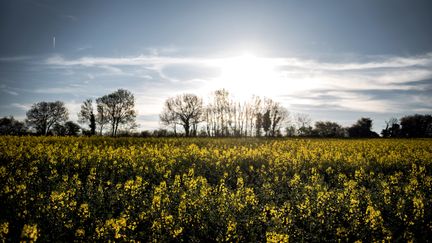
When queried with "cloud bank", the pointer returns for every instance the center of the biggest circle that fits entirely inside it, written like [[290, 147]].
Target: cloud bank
[[377, 85]]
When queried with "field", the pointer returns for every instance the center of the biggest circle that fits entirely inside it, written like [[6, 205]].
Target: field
[[248, 190]]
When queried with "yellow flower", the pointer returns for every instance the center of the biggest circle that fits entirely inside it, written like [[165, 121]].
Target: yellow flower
[[30, 232]]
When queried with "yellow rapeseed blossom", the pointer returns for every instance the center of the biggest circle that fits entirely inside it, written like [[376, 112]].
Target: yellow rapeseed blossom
[[215, 189]]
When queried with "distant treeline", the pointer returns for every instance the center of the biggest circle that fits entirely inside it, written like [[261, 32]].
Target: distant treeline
[[186, 115]]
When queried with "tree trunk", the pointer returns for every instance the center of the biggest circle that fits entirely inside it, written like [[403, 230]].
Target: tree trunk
[[186, 128], [92, 124], [113, 128]]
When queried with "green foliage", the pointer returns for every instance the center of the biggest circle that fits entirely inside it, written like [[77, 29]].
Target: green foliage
[[248, 190]]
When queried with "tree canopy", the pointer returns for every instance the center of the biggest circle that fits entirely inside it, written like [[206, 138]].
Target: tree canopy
[[118, 108], [44, 115]]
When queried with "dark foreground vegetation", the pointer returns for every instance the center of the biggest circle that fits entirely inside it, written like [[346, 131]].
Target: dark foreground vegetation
[[207, 190]]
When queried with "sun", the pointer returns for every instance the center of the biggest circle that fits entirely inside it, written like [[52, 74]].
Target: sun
[[246, 75]]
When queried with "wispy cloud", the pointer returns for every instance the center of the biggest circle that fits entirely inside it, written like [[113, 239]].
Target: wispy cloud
[[16, 58], [11, 92], [362, 85], [69, 17], [8, 90], [24, 107], [293, 76], [83, 48], [386, 65]]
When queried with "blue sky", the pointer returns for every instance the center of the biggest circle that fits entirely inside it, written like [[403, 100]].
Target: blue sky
[[335, 60]]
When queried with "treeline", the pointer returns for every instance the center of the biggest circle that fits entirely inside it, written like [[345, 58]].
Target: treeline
[[223, 116], [187, 115], [110, 114]]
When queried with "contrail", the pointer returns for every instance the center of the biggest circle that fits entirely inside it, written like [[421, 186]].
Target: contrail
[[54, 42]]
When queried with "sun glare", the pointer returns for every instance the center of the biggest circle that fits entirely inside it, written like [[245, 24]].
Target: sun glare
[[246, 75]]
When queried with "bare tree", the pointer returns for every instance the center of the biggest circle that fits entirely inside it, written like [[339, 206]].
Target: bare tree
[[86, 115], [43, 115], [304, 124], [258, 124], [266, 122], [221, 109], [224, 116], [117, 109], [208, 117], [169, 118], [227, 117], [101, 116], [392, 128], [186, 110], [253, 111], [277, 115]]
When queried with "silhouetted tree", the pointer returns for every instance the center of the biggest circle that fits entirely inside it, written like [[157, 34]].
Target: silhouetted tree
[[169, 118], [392, 128], [266, 122], [102, 115], [290, 131], [10, 126], [362, 129], [117, 108], [328, 129], [185, 110], [416, 126], [69, 128], [220, 109], [224, 116], [277, 114], [58, 129], [253, 107], [304, 124], [43, 115], [72, 129], [258, 124], [86, 115]]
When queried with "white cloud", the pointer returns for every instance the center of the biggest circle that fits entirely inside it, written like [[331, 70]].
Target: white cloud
[[307, 82], [21, 106], [381, 71]]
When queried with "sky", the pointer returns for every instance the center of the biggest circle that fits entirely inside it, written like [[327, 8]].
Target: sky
[[335, 60]]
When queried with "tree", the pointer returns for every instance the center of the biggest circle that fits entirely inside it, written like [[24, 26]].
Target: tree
[[70, 128], [117, 109], [392, 128], [224, 116], [304, 124], [169, 118], [416, 126], [362, 129], [328, 129], [58, 129], [277, 115], [253, 108], [101, 116], [43, 115], [221, 109], [266, 122], [186, 110], [86, 115], [258, 124], [290, 131], [10, 126]]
